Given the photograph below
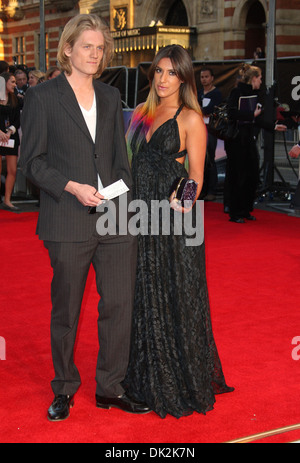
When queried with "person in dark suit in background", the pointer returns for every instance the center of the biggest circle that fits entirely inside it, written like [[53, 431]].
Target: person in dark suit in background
[[73, 144], [22, 85], [209, 97]]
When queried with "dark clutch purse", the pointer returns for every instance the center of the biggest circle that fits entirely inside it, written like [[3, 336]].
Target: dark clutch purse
[[185, 191]]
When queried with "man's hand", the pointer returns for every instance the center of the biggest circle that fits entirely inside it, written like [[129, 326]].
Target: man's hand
[[86, 194]]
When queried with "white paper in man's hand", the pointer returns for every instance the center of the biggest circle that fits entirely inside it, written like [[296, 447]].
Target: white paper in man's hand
[[115, 189]]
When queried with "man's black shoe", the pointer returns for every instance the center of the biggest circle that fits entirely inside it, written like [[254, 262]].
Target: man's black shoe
[[125, 403], [60, 407], [236, 220], [250, 217]]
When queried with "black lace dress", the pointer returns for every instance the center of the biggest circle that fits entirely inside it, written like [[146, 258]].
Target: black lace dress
[[174, 364]]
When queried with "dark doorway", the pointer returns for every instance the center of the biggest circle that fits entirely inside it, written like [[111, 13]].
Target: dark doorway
[[177, 15], [255, 30]]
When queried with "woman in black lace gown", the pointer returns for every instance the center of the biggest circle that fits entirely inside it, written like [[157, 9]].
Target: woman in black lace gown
[[174, 364]]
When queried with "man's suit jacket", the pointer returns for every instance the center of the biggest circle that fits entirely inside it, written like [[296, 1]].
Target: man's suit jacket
[[57, 147]]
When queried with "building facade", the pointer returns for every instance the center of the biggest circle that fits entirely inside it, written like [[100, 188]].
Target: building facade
[[210, 29]]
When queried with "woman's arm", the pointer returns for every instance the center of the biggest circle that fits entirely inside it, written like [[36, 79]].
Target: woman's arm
[[195, 144]]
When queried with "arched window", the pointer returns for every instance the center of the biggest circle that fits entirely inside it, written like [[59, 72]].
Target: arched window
[[177, 15], [255, 30]]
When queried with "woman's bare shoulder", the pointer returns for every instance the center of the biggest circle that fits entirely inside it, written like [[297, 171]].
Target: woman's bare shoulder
[[192, 118]]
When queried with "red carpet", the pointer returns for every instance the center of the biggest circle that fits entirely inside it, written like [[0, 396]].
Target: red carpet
[[253, 279]]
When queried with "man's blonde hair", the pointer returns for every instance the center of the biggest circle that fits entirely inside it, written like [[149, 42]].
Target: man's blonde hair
[[72, 31]]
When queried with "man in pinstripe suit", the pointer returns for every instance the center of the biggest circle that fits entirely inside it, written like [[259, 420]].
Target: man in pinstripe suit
[[73, 144]]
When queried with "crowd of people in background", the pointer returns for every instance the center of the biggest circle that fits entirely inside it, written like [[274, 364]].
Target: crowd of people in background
[[27, 77], [14, 82], [245, 111], [19, 78]]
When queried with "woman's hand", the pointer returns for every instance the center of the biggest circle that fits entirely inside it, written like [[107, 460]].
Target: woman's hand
[[176, 205], [280, 128], [258, 109], [9, 132], [4, 137], [295, 152]]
